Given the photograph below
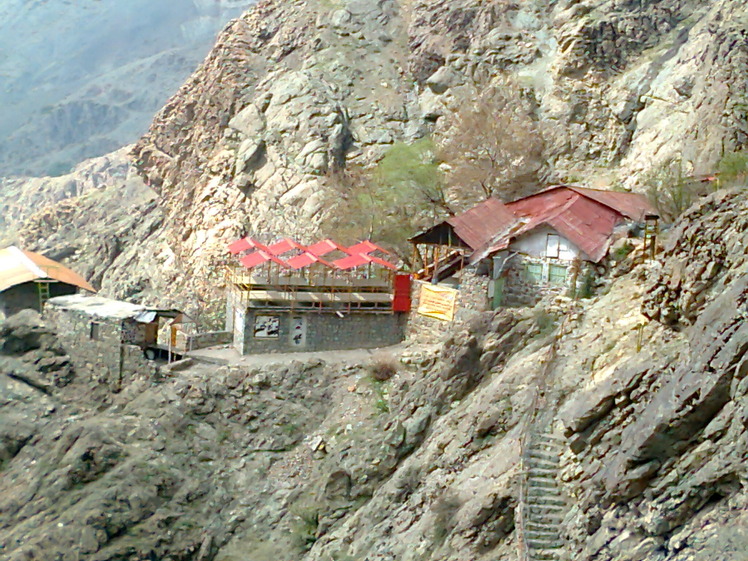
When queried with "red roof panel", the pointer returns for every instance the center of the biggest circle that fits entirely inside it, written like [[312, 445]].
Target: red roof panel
[[324, 247], [284, 246], [478, 225], [366, 247], [240, 245], [259, 257]]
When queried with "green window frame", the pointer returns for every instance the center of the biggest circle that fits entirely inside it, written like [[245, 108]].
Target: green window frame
[[534, 272], [557, 274]]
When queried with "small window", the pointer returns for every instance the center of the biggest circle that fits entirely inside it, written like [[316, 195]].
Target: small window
[[552, 246], [534, 272], [557, 275], [95, 331]]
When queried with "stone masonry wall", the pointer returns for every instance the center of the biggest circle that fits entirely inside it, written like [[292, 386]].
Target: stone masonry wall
[[322, 331], [521, 290], [98, 350], [473, 298]]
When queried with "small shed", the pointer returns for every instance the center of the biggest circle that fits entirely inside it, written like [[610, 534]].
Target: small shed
[[28, 280]]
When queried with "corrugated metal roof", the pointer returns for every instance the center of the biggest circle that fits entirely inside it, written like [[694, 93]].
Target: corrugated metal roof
[[18, 266], [584, 221], [476, 226], [632, 205]]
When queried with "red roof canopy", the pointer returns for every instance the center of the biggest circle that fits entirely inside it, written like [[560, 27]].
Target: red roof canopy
[[355, 256]]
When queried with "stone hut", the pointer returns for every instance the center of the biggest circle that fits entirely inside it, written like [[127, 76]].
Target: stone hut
[[547, 243], [115, 340], [28, 280]]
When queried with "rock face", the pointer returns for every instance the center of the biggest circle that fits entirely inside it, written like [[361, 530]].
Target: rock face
[[81, 79], [316, 461]]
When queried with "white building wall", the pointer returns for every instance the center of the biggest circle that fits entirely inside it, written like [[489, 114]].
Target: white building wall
[[535, 244]]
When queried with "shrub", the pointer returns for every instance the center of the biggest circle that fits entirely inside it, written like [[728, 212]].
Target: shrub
[[304, 528], [383, 367]]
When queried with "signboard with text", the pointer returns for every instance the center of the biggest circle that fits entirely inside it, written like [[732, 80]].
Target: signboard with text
[[437, 302]]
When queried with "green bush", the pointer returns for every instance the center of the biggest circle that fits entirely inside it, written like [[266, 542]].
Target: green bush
[[304, 528], [733, 168]]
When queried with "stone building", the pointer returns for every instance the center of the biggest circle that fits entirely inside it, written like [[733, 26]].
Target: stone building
[[287, 297], [28, 279], [114, 340], [548, 243]]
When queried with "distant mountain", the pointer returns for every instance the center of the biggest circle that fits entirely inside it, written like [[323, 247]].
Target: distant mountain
[[81, 78]]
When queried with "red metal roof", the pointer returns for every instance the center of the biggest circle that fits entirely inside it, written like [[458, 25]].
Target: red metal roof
[[259, 257], [583, 221], [324, 247], [284, 246], [359, 259], [243, 244], [478, 225], [366, 247], [305, 259], [357, 255], [632, 205]]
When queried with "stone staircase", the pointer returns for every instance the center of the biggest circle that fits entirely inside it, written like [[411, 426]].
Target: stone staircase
[[542, 504]]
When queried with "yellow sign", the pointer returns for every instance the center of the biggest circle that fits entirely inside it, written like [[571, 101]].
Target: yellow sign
[[437, 302]]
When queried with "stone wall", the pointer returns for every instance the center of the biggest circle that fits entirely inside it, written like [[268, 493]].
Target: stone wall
[[96, 346], [473, 298], [521, 288], [271, 331], [210, 339]]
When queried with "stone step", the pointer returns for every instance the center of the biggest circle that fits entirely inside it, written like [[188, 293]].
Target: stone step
[[551, 509], [547, 444], [541, 534], [542, 482], [545, 555], [545, 517], [534, 501], [542, 526], [543, 544], [538, 471], [545, 522], [545, 456], [550, 492]]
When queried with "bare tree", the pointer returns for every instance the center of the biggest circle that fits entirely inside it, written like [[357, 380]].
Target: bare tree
[[492, 146]]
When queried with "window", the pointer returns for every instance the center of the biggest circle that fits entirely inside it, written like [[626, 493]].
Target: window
[[552, 246], [95, 333], [557, 275], [534, 273]]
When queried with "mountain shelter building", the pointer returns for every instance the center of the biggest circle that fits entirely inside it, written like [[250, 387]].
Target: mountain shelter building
[[28, 280], [286, 297], [546, 243]]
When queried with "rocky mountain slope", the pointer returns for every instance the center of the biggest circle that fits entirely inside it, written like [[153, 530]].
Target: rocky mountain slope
[[643, 387], [83, 78]]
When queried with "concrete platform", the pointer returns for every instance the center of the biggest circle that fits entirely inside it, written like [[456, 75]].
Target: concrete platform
[[226, 355]]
